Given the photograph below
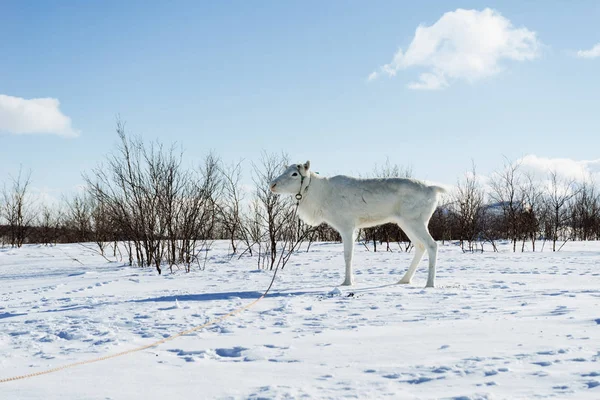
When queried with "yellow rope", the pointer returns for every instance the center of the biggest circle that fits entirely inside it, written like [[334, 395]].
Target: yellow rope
[[167, 339]]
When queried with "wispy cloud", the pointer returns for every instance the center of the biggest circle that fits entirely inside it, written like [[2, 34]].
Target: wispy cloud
[[591, 53], [27, 116], [578, 170], [462, 45]]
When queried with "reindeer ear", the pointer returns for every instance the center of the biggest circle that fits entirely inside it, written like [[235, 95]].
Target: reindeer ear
[[307, 165]]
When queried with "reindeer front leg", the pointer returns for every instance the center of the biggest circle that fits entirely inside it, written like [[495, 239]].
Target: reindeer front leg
[[348, 240]]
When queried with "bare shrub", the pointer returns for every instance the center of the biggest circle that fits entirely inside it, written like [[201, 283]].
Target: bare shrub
[[506, 193], [159, 209], [468, 207], [231, 208], [585, 212], [559, 194], [49, 224], [271, 214], [18, 209]]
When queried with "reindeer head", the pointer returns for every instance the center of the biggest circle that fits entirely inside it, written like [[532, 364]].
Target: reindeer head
[[291, 180]]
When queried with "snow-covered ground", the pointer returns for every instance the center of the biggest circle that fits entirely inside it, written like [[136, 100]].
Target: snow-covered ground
[[499, 326]]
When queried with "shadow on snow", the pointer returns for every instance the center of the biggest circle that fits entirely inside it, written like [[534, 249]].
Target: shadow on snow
[[249, 295]]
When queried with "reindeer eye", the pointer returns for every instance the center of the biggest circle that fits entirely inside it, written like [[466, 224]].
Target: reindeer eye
[[295, 174]]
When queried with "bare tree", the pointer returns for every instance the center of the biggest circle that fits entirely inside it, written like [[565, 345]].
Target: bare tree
[[275, 211], [439, 224], [560, 192], [585, 212], [253, 223], [507, 195], [161, 211], [230, 209], [48, 224], [199, 209], [18, 209], [532, 212], [469, 208], [101, 225], [79, 217]]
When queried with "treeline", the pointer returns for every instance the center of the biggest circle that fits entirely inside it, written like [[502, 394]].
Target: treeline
[[521, 208], [511, 205], [159, 211], [165, 214]]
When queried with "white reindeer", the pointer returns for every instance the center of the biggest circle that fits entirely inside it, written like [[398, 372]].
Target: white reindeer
[[348, 204]]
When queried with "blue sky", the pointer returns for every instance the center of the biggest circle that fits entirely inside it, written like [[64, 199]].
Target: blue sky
[[239, 77]]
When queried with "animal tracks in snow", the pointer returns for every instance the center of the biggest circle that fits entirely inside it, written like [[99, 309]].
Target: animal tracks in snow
[[267, 352], [500, 325]]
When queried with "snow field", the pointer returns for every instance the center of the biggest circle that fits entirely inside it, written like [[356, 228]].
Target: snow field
[[500, 325]]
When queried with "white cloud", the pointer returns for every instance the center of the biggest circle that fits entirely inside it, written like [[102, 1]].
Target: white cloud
[[565, 168], [462, 44], [591, 53], [23, 116], [429, 81]]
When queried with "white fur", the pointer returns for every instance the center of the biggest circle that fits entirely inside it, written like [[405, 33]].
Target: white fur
[[348, 204]]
